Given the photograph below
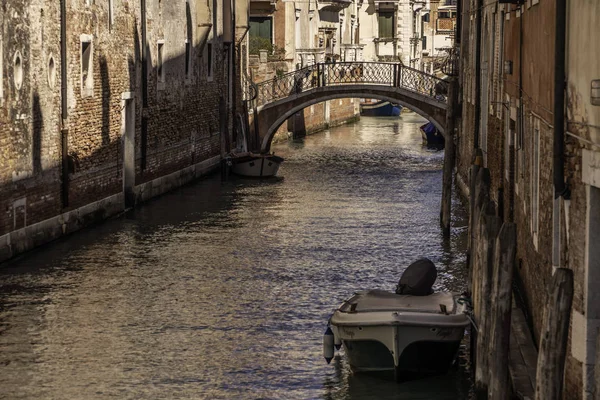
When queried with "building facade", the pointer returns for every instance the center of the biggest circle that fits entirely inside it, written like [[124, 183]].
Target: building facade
[[106, 103], [546, 182], [286, 36], [436, 33]]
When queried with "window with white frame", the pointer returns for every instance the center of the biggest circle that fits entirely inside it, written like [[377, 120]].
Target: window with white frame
[[111, 14], [87, 65], [18, 70], [535, 176], [386, 24]]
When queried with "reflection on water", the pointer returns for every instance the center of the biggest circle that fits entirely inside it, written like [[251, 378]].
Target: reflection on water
[[222, 291]]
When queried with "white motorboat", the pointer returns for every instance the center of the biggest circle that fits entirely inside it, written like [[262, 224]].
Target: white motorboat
[[410, 332]]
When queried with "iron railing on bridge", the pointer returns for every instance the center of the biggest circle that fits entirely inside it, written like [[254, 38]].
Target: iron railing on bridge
[[350, 73]]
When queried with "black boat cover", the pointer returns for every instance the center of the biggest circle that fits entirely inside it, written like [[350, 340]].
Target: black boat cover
[[418, 278]]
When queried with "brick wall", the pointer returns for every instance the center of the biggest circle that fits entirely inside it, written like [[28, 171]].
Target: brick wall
[[532, 96], [312, 118], [29, 113], [182, 112]]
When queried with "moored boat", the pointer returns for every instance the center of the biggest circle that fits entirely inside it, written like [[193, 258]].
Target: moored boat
[[431, 135], [410, 332], [379, 109], [254, 165]]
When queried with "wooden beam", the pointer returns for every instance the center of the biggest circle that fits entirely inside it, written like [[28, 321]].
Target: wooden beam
[[500, 315], [449, 157], [489, 228], [554, 337]]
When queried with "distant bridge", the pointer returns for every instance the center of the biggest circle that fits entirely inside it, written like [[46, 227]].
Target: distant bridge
[[279, 98]]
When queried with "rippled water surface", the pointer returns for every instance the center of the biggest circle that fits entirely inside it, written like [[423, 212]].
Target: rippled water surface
[[222, 291]]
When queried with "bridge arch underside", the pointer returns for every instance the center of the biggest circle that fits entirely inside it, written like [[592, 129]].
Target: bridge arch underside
[[271, 116]]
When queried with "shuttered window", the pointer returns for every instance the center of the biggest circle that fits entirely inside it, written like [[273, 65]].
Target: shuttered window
[[386, 24], [261, 27]]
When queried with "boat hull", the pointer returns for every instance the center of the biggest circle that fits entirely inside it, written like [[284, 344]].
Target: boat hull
[[256, 166], [414, 350], [431, 135], [380, 109], [403, 334]]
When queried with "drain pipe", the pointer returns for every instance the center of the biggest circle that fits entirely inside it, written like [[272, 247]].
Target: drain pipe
[[64, 131], [144, 56], [233, 71], [560, 188], [477, 75]]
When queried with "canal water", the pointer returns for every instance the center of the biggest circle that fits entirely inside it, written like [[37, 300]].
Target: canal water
[[223, 290]]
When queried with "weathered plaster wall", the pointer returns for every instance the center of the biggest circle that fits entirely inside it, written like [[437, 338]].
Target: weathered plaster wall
[[526, 99], [182, 110], [583, 177], [29, 113]]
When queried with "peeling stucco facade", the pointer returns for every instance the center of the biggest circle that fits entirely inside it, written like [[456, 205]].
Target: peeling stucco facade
[[52, 167], [516, 135]]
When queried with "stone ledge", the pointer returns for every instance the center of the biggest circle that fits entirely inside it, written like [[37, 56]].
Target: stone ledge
[[523, 355], [32, 236]]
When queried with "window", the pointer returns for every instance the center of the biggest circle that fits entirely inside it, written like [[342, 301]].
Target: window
[[209, 61], [87, 65], [160, 66], [535, 177], [51, 72], [111, 14], [188, 58], [386, 24], [424, 40], [444, 14], [18, 70], [261, 27], [425, 17]]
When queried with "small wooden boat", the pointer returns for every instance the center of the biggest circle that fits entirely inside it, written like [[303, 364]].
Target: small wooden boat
[[254, 165], [431, 135], [380, 109], [246, 163]]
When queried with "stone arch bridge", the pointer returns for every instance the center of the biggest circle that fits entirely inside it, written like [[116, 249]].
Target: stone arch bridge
[[275, 100]]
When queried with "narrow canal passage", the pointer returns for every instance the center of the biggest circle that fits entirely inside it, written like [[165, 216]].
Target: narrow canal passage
[[222, 291]]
